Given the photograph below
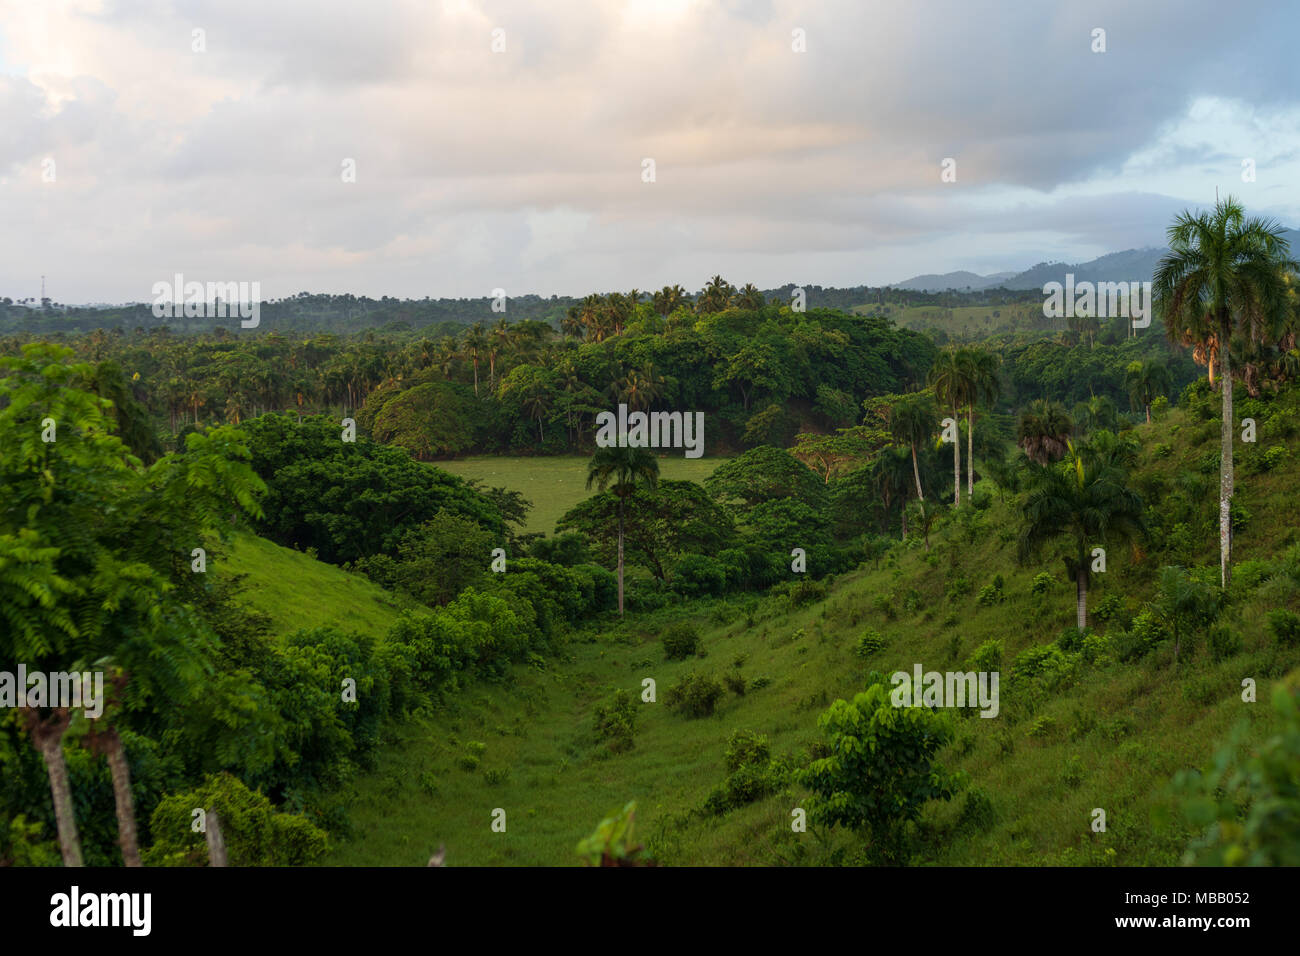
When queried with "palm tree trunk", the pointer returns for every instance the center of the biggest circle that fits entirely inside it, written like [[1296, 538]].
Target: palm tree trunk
[[1225, 466], [1081, 595], [956, 462], [916, 473], [970, 451], [620, 557], [1148, 414], [121, 771], [48, 737]]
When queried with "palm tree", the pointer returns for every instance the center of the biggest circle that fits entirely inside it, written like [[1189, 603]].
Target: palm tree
[[749, 297], [716, 297], [1146, 381], [668, 299], [950, 379], [1223, 274], [1184, 604], [500, 339], [1089, 502], [1044, 431], [911, 422], [474, 348], [984, 387], [625, 468], [639, 388]]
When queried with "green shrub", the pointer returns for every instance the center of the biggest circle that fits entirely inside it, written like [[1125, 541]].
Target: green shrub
[[735, 682], [991, 593], [695, 695], [1224, 642], [745, 747], [496, 775], [680, 641], [871, 642], [1042, 583], [254, 831], [1285, 627], [987, 657], [615, 721]]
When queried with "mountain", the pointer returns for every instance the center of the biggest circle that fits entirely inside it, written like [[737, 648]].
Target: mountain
[[1128, 266], [959, 281]]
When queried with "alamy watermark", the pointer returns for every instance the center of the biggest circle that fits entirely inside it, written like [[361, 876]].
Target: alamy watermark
[[951, 689], [1098, 300], [214, 300], [83, 689], [651, 430]]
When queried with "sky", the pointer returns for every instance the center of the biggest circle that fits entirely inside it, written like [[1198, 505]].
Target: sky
[[505, 144]]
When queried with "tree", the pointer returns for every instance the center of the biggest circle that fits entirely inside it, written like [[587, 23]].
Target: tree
[[1088, 502], [880, 770], [950, 379], [1224, 274], [762, 474], [624, 468], [474, 347], [912, 420], [1147, 380], [983, 387], [1044, 431], [1184, 604], [717, 296]]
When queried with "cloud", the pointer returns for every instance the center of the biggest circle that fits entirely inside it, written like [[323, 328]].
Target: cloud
[[523, 168]]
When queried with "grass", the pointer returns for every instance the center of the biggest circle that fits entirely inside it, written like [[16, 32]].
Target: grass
[[556, 484], [297, 591], [1111, 737]]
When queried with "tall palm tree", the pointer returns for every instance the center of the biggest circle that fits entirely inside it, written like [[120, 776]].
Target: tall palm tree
[[500, 338], [749, 297], [950, 379], [911, 422], [668, 299], [474, 348], [984, 387], [1088, 501], [624, 468], [1044, 431], [1226, 274], [1146, 381], [716, 297]]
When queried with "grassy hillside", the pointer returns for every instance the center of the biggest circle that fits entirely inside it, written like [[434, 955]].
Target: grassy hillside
[[556, 484], [297, 591], [1101, 733]]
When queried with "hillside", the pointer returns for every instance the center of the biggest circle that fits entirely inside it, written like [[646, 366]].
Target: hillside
[[1089, 730], [296, 591]]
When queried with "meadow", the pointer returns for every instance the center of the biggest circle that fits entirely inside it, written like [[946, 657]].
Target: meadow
[[555, 484], [1111, 734]]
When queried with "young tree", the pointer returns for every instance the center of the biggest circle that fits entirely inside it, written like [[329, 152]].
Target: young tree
[[950, 379], [1087, 501], [881, 768], [1146, 381], [911, 422]]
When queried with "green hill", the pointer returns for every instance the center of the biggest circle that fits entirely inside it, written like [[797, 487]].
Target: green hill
[[1102, 728], [297, 591]]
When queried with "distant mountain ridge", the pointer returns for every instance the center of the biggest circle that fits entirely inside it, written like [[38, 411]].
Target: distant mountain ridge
[[1127, 266]]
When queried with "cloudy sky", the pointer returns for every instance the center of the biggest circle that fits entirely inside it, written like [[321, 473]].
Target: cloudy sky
[[221, 154]]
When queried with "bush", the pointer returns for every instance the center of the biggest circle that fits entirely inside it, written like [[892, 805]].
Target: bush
[[1042, 583], [987, 657], [991, 593], [871, 642], [680, 641], [616, 721], [254, 831], [735, 682], [745, 747], [698, 575], [695, 695], [1224, 642], [1285, 626]]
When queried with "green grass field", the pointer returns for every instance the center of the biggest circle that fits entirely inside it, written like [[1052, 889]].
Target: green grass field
[[556, 484], [1111, 735], [297, 591]]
